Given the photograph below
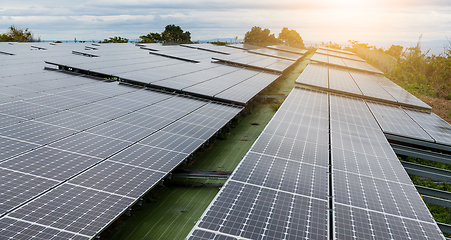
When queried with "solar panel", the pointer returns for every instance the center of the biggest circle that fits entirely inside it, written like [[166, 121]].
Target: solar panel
[[204, 235], [119, 178], [285, 175], [75, 209], [288, 49], [254, 212], [276, 53], [337, 61], [91, 144], [393, 120], [10, 147], [320, 58], [399, 93], [18, 188], [344, 62], [246, 90], [50, 163], [35, 132], [315, 75], [435, 126], [369, 87], [336, 50], [11, 228], [342, 81], [25, 110], [149, 157]]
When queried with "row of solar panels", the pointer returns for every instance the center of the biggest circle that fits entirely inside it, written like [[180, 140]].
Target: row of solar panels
[[186, 68], [74, 158], [358, 84], [340, 55], [322, 164], [336, 50], [344, 63]]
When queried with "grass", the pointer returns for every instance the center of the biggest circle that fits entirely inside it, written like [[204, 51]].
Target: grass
[[170, 217], [170, 211]]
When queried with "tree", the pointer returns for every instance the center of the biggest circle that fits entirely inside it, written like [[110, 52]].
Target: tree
[[260, 37], [395, 51], [15, 34], [291, 38], [171, 34], [115, 39]]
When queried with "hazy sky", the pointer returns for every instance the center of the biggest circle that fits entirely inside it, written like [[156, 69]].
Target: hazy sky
[[320, 20]]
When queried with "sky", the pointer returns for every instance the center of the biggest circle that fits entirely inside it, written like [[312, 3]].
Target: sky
[[378, 22]]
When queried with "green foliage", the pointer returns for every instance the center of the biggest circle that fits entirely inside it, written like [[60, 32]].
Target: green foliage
[[115, 39], [395, 51], [15, 34], [330, 44], [291, 38], [260, 37], [219, 43], [151, 38], [171, 34], [423, 75]]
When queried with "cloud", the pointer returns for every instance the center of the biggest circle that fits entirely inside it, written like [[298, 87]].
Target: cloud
[[323, 20]]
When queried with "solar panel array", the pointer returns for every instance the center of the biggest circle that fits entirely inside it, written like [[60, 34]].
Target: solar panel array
[[358, 84], [77, 152], [186, 68], [343, 62], [280, 190]]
